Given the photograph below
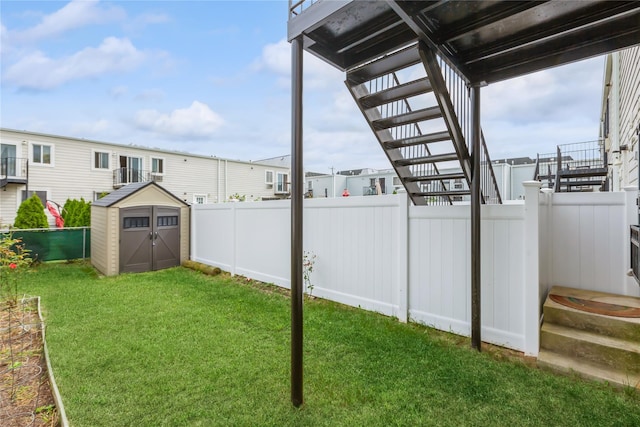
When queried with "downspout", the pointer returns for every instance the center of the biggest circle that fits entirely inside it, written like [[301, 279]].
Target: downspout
[[226, 166], [218, 189]]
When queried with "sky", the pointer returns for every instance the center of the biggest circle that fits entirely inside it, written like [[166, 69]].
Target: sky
[[214, 78]]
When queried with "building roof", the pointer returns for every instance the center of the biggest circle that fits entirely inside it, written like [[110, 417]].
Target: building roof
[[129, 190], [133, 146]]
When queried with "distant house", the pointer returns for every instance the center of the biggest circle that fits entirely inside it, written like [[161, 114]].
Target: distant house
[[509, 173], [620, 117], [57, 168]]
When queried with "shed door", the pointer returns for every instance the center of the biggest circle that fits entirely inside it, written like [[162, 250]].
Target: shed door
[[135, 239], [166, 237], [149, 238]]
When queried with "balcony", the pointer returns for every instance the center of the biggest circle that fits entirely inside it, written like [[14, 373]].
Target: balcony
[[13, 170], [124, 176], [574, 167]]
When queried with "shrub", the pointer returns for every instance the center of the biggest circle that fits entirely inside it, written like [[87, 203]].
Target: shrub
[[76, 213], [31, 214], [14, 258]]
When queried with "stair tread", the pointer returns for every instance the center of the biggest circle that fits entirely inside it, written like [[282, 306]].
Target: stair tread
[[403, 91], [583, 173], [591, 337], [417, 140], [559, 362], [393, 62], [408, 118], [441, 193], [428, 159], [437, 177], [629, 301]]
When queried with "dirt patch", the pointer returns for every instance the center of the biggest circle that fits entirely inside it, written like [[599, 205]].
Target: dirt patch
[[25, 392]]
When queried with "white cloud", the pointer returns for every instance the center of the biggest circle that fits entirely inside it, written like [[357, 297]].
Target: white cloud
[[89, 129], [197, 121], [276, 58], [118, 91], [142, 21], [38, 71], [75, 14], [151, 95], [3, 38]]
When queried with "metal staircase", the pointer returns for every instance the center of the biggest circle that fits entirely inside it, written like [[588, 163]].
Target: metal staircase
[[419, 109], [574, 167]]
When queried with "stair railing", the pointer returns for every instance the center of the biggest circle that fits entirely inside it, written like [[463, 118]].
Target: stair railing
[[399, 107], [460, 94]]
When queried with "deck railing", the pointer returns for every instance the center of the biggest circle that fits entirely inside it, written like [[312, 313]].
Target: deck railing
[[13, 167], [124, 176], [299, 6], [460, 94], [635, 251], [571, 157]]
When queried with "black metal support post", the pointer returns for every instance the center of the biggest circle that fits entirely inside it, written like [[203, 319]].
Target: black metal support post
[[476, 340], [296, 222]]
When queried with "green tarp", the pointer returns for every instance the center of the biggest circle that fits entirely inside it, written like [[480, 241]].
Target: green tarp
[[53, 245]]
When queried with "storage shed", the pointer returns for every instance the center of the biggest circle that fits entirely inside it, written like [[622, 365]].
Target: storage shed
[[139, 227]]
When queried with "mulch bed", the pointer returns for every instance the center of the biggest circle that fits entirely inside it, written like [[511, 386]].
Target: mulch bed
[[25, 393]]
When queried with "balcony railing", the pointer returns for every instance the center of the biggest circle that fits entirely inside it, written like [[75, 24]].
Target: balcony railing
[[576, 158], [296, 7], [124, 176], [13, 170], [635, 251]]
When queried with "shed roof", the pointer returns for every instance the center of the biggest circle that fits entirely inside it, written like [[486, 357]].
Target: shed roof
[[129, 190]]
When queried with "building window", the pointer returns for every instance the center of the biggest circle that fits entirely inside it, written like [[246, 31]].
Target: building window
[[41, 194], [135, 222], [168, 221], [268, 177], [100, 160], [157, 166], [199, 199], [8, 160], [282, 183], [42, 154]]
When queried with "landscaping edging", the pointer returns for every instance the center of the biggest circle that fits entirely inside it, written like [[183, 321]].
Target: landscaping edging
[[52, 382]]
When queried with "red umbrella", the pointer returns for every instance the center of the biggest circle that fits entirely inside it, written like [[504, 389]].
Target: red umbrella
[[56, 215]]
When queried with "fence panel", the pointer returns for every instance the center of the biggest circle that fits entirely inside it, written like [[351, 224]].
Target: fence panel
[[585, 241], [56, 244], [371, 252], [439, 279], [358, 250]]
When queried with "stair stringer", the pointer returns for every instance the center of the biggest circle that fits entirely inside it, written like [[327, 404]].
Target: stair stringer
[[446, 107], [393, 154]]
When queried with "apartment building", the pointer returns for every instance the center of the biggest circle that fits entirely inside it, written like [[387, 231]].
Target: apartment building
[[620, 118], [57, 168]]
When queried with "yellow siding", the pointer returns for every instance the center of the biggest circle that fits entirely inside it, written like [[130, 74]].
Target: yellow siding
[[99, 239], [150, 195], [113, 243], [184, 233]]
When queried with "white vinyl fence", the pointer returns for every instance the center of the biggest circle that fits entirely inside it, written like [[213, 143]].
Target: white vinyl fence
[[413, 262]]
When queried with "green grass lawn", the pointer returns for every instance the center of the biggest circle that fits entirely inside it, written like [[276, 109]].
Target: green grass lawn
[[179, 348]]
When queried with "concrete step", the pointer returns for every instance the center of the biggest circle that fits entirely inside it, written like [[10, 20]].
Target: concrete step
[[617, 327], [608, 352], [567, 365]]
